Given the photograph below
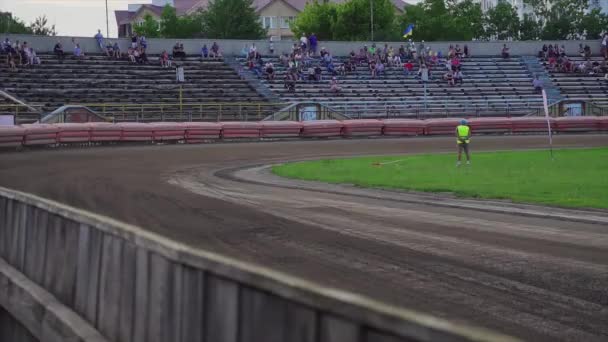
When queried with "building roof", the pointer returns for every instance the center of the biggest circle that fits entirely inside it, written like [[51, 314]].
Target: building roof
[[125, 17], [260, 4], [184, 6]]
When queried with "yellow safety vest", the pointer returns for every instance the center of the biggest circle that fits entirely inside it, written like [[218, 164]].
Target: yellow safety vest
[[463, 134]]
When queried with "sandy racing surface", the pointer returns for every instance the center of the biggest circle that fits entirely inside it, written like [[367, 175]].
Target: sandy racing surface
[[533, 277]]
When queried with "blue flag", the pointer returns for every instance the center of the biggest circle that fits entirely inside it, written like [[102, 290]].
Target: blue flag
[[408, 31]]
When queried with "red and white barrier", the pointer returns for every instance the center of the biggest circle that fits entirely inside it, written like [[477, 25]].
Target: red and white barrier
[[104, 131], [73, 133], [11, 136], [231, 130], [280, 129], [198, 132], [168, 131], [322, 128], [441, 126], [40, 134], [363, 127], [134, 131], [490, 125], [577, 124], [402, 127]]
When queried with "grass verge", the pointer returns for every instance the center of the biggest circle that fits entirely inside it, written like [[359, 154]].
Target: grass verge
[[575, 178]]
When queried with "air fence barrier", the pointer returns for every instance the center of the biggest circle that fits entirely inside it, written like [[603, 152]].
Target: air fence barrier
[[132, 285], [198, 132]]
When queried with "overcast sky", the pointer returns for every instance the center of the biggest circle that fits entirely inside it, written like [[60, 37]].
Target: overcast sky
[[71, 17]]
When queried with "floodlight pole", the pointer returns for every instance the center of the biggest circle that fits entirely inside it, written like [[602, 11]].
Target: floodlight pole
[[107, 21], [371, 15]]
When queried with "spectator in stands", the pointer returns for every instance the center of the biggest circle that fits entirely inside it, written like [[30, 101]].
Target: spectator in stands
[[396, 61], [143, 43], [458, 77], [116, 50], [5, 46], [542, 54], [408, 67], [133, 41], [253, 50], [271, 46], [331, 69], [58, 51], [318, 73], [99, 39], [323, 52], [372, 68], [380, 68], [311, 74], [449, 77], [131, 55], [78, 53], [304, 43], [423, 73], [455, 64], [204, 51], [10, 60], [290, 81], [334, 85], [143, 57], [562, 51], [313, 41], [458, 51], [587, 49], [269, 71], [537, 84], [109, 50], [505, 51], [215, 51]]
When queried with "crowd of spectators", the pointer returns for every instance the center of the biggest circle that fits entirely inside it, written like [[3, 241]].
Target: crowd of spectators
[[557, 60], [18, 54]]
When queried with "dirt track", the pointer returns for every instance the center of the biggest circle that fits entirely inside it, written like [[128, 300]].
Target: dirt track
[[537, 279]]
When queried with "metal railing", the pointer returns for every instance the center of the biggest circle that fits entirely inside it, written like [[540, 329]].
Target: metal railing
[[566, 108]]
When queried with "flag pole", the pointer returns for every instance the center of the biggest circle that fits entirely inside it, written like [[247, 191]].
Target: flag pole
[[107, 22], [547, 117]]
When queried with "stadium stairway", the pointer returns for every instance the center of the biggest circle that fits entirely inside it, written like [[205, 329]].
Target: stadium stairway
[[143, 92], [492, 87], [537, 69]]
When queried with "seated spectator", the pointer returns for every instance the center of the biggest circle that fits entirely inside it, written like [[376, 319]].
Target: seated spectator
[[109, 50], [542, 54], [581, 50], [271, 47], [341, 70], [311, 74], [465, 51], [505, 52], [318, 73], [402, 52], [297, 59], [5, 46], [204, 51], [143, 57], [99, 39], [327, 58], [133, 41], [116, 50], [537, 84], [334, 85], [408, 67], [372, 69], [58, 51], [562, 51], [131, 55], [143, 43], [323, 52], [10, 60], [458, 51], [349, 66], [331, 69], [215, 51], [587, 51], [458, 77], [455, 64], [78, 53], [176, 52], [582, 67], [269, 68], [449, 77], [380, 68], [290, 81]]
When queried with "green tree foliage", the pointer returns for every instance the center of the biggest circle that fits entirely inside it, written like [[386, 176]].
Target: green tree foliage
[[235, 19], [438, 20], [10, 24], [149, 28], [353, 21], [502, 21], [318, 18], [563, 19], [530, 28], [594, 24], [40, 27]]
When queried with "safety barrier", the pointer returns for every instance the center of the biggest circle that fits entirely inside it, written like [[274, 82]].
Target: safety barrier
[[198, 132], [135, 286]]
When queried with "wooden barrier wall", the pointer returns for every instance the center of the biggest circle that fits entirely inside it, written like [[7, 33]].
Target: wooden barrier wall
[[132, 285]]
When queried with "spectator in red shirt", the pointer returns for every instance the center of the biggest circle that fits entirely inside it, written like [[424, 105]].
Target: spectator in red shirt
[[408, 67]]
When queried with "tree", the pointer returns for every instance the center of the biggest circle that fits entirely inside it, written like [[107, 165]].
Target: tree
[[593, 24], [502, 21], [468, 20], [232, 19], [9, 24], [529, 28], [39, 27], [354, 23], [317, 18], [149, 28]]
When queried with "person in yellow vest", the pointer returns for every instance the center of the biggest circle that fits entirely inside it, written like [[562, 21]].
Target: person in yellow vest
[[463, 137]]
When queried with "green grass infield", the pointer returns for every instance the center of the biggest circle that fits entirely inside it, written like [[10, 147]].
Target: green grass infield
[[574, 178]]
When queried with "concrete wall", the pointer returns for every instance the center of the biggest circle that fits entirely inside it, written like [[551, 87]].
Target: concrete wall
[[133, 285], [234, 47], [12, 330]]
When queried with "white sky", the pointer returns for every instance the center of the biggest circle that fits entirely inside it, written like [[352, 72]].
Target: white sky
[[71, 17]]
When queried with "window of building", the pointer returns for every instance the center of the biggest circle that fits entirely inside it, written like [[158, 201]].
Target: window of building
[[269, 22], [285, 21]]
